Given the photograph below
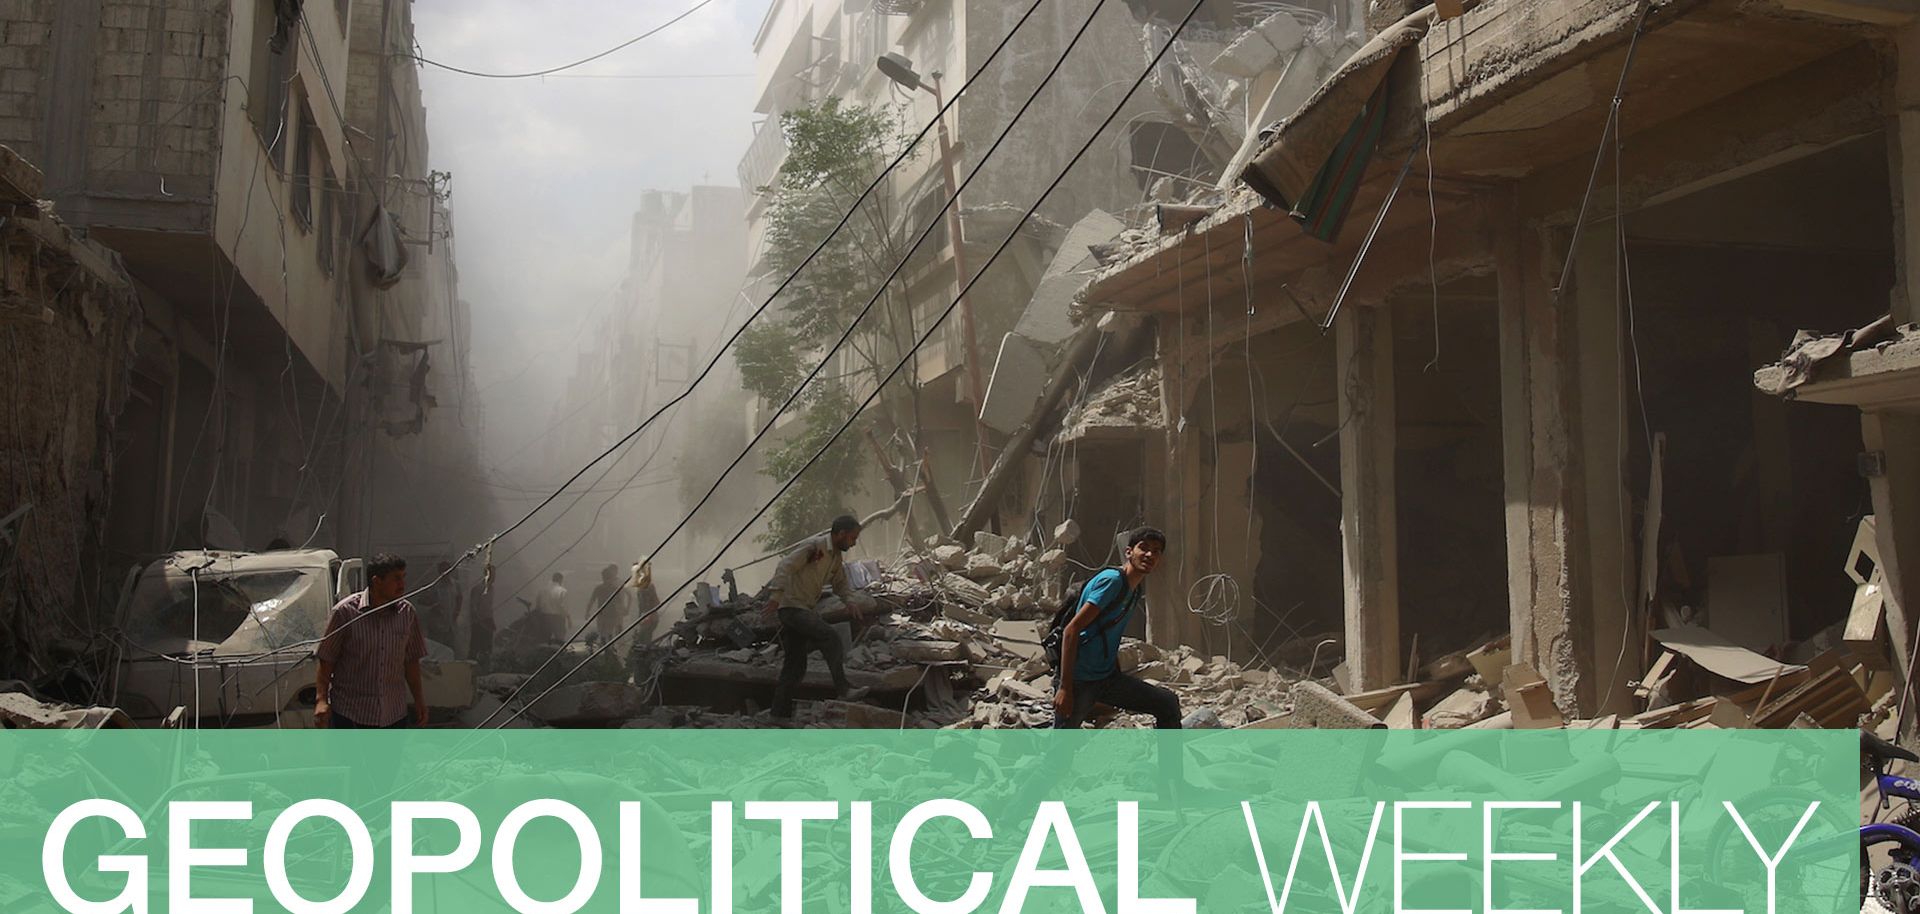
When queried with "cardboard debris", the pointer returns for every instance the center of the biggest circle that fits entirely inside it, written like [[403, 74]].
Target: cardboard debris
[[1490, 660], [1721, 657], [1529, 698]]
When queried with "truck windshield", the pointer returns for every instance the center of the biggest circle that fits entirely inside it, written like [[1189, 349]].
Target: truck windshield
[[233, 613]]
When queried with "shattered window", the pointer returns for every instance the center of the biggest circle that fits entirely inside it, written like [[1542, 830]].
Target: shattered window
[[238, 613]]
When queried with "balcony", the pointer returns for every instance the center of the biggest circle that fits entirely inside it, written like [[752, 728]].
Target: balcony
[[768, 151]]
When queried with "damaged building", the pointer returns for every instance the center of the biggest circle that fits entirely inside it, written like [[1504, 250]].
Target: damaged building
[[1469, 347], [274, 323]]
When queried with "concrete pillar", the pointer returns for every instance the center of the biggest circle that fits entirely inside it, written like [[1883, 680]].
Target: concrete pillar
[[1896, 510], [1613, 643], [1368, 532], [1546, 522], [1904, 169]]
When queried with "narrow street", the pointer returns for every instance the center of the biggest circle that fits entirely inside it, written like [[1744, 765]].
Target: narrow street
[[940, 364]]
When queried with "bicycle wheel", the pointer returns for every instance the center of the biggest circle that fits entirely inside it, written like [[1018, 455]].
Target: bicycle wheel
[[1821, 870]]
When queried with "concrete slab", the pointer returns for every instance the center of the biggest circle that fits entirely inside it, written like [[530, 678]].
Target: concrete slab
[[1047, 319], [1019, 377]]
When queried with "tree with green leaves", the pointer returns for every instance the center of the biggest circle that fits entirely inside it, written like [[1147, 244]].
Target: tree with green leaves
[[835, 150]]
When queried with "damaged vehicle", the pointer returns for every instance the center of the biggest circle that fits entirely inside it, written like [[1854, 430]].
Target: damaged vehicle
[[227, 639]]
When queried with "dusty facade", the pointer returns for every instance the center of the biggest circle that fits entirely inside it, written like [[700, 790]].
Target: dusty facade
[[1507, 427], [809, 53], [215, 150]]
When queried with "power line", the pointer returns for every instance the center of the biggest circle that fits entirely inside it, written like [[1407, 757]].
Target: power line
[[791, 276], [934, 326], [827, 358], [794, 274], [551, 70]]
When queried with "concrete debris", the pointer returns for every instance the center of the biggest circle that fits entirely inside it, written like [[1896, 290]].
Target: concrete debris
[[1129, 402], [1066, 534], [21, 708]]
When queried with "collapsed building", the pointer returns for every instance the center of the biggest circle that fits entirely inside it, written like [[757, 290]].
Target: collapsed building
[[1469, 347]]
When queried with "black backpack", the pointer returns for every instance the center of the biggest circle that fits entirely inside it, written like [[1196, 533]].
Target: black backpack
[[1069, 605]]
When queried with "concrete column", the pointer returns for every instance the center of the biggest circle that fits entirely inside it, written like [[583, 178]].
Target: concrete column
[[1612, 635], [1904, 168], [1546, 523], [1368, 532], [1896, 510]]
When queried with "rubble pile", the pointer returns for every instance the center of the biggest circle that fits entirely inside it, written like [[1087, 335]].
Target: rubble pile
[[1130, 401], [1214, 691]]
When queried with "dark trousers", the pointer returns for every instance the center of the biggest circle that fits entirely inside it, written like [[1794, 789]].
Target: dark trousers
[[339, 721], [1126, 693], [802, 631]]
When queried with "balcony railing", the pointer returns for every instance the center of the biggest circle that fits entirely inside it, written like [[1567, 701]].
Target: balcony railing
[[761, 165]]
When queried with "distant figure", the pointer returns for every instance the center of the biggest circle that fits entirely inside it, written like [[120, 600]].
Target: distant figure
[[646, 600], [551, 607], [816, 565], [610, 600], [480, 622]]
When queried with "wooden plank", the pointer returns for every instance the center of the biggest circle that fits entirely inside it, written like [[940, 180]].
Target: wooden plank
[[1401, 716]]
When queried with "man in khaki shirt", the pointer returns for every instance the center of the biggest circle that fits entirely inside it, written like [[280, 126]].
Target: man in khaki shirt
[[814, 566]]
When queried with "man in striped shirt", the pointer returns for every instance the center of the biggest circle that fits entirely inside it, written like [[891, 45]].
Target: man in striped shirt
[[370, 656]]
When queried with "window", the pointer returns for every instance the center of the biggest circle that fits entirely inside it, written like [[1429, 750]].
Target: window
[[306, 150], [267, 78], [329, 224]]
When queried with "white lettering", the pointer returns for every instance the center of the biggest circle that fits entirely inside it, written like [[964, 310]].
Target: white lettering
[[1489, 856], [359, 857], [53, 859], [1401, 855], [792, 814], [631, 901], [1051, 819], [406, 863], [1128, 823], [1582, 865], [1772, 861], [900, 857], [508, 881], [185, 856]]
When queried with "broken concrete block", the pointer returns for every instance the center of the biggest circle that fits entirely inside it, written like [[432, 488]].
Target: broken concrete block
[[951, 557], [965, 591], [926, 651], [992, 544], [982, 567], [1067, 533], [1455, 711], [1019, 377], [590, 702], [970, 616], [1048, 317], [1315, 706], [1016, 690], [1261, 48]]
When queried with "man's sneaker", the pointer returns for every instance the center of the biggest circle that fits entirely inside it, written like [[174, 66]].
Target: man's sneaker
[[855, 694]]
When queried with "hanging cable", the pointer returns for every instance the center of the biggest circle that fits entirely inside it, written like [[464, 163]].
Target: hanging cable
[[847, 334], [578, 63], [944, 314]]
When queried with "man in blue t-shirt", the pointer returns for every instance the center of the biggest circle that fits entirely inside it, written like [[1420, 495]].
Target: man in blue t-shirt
[[1090, 646]]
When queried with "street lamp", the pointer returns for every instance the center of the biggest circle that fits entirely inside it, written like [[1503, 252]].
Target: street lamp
[[897, 67]]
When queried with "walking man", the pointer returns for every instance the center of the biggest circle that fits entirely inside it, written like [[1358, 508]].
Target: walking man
[[814, 566], [370, 656], [1090, 646]]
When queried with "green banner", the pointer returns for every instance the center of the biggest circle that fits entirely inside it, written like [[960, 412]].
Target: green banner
[[943, 822]]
